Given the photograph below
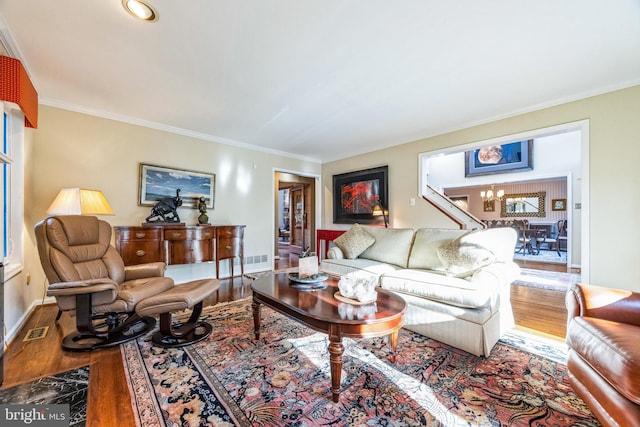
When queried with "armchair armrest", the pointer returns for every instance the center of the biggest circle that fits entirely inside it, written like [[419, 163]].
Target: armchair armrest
[[141, 271], [615, 305], [90, 286]]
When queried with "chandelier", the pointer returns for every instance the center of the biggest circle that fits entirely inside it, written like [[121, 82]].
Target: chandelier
[[492, 195]]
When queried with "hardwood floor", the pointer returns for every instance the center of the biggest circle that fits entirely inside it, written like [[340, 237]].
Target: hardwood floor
[[109, 397], [540, 309], [286, 257]]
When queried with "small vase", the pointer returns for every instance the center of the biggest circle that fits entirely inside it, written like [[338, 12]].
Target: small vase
[[203, 218]]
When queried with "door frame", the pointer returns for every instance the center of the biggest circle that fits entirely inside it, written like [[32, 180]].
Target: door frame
[[316, 195], [575, 210]]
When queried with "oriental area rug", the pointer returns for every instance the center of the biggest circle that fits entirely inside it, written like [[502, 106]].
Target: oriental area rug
[[283, 379]]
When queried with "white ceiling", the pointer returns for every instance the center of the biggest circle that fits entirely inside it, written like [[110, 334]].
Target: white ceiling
[[322, 79]]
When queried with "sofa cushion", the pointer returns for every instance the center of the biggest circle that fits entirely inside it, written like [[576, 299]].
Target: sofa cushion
[[442, 288], [462, 260], [343, 267], [500, 241], [392, 245], [424, 253], [354, 241]]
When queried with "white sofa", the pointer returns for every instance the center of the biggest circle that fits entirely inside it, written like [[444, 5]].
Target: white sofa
[[456, 282]]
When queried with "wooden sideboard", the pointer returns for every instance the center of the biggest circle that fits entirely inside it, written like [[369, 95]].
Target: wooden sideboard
[[181, 244], [230, 244]]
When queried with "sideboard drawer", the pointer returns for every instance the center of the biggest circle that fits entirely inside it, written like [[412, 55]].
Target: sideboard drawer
[[190, 251], [141, 252], [229, 247], [178, 234], [189, 233], [229, 231], [138, 233], [139, 245]]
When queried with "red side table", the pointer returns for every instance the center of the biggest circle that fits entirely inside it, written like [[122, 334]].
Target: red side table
[[326, 236]]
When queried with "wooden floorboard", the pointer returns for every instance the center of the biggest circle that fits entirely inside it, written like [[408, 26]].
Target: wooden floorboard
[[540, 309], [109, 397]]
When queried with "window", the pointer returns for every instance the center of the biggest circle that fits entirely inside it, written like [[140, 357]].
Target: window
[[11, 188], [6, 202]]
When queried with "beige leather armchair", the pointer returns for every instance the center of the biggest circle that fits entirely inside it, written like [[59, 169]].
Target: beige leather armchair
[[603, 335], [88, 279]]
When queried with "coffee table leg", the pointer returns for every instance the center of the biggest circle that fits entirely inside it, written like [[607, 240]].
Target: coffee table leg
[[256, 318], [393, 343], [335, 356]]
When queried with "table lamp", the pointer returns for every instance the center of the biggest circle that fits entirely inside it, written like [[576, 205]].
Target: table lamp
[[79, 201]]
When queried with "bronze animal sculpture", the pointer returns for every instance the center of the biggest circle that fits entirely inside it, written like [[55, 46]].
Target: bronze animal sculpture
[[166, 210], [202, 207]]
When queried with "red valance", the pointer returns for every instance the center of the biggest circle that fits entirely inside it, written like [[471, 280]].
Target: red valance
[[15, 86]]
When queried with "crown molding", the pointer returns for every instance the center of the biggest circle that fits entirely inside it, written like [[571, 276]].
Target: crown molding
[[171, 129]]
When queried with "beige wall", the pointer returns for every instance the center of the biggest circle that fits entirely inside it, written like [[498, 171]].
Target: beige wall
[[614, 152], [77, 150]]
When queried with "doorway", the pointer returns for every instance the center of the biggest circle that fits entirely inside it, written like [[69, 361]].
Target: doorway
[[295, 217], [561, 150]]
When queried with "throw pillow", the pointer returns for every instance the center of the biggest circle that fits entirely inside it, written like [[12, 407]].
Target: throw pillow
[[462, 260], [354, 241]]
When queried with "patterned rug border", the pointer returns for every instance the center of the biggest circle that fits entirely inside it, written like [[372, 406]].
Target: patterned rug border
[[148, 406]]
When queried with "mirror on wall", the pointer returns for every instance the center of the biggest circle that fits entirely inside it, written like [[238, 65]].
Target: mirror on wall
[[523, 204]]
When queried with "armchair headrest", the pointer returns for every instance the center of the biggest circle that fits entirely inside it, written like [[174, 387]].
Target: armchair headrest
[[74, 247]]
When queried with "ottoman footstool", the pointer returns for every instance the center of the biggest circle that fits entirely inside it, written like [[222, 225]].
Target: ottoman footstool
[[180, 297]]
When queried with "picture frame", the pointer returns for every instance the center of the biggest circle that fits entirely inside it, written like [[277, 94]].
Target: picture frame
[[559, 204], [489, 205], [523, 205], [355, 195], [461, 201], [505, 158], [159, 182]]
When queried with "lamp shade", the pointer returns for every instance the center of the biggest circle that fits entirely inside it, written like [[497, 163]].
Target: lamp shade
[[78, 201]]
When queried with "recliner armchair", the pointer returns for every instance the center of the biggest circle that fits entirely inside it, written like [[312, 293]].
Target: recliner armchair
[[603, 327], [89, 279]]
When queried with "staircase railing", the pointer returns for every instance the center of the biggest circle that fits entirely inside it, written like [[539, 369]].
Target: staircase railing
[[454, 212]]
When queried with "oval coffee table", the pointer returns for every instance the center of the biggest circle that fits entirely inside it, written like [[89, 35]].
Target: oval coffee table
[[320, 310]]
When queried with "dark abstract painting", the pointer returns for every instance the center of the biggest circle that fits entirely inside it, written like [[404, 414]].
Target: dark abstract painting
[[355, 195]]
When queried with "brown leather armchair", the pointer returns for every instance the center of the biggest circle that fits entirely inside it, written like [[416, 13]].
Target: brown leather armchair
[[112, 303], [603, 335]]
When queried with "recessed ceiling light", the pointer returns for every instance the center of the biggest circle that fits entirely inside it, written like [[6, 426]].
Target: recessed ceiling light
[[140, 10]]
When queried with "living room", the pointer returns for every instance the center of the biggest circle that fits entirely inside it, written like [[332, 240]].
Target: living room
[[82, 147]]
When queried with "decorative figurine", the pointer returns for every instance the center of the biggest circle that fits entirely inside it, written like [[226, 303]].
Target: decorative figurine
[[166, 210], [202, 207]]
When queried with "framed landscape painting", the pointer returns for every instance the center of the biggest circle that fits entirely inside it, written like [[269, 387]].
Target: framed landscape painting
[[159, 182], [559, 204], [505, 158], [356, 194]]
